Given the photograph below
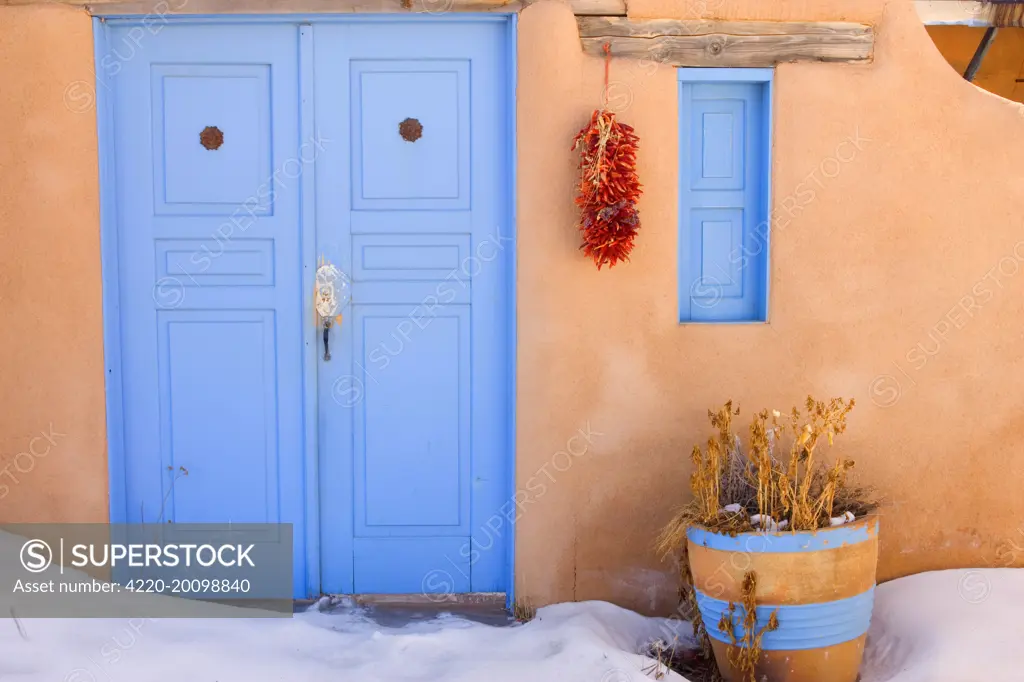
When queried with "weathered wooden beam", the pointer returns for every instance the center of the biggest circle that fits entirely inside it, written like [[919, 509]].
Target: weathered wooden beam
[[173, 7], [955, 12], [727, 43]]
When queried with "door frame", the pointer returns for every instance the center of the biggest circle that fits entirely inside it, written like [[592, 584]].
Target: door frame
[[109, 257]]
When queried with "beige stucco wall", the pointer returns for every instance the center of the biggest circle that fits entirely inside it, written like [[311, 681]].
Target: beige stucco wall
[[895, 281], [897, 192], [52, 434]]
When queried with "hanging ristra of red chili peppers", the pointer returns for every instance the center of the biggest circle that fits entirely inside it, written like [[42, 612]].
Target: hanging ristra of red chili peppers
[[609, 185]]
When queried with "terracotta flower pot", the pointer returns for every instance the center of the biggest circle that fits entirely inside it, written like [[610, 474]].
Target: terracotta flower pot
[[821, 582]]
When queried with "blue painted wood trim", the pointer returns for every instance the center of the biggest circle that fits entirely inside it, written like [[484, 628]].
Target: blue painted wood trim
[[512, 160], [769, 122], [111, 291], [786, 542], [724, 75], [108, 233], [804, 626], [684, 99], [689, 76], [307, 232], [306, 18]]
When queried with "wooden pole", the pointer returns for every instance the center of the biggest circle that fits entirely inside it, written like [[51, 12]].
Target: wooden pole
[[979, 54]]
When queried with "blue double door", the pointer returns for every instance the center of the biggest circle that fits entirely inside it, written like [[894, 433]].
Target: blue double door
[[244, 155]]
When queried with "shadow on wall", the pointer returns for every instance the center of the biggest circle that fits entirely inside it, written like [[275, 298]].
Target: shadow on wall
[[1002, 70]]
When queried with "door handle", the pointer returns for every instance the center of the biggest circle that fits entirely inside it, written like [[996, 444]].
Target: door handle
[[331, 293]]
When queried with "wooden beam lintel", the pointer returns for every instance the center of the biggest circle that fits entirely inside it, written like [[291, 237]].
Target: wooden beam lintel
[[727, 43]]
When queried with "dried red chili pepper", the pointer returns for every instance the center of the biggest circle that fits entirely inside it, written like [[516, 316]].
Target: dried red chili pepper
[[609, 188], [609, 185]]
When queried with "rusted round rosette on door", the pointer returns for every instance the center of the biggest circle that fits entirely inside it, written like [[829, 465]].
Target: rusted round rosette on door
[[410, 129], [211, 137]]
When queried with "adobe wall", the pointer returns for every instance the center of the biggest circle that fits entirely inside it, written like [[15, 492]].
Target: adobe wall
[[895, 280], [53, 464]]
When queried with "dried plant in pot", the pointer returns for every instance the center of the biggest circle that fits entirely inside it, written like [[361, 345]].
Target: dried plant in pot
[[778, 549]]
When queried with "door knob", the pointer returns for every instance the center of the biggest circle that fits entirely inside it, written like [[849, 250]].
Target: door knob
[[331, 294]]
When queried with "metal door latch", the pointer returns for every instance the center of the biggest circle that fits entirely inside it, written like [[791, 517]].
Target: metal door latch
[[331, 294]]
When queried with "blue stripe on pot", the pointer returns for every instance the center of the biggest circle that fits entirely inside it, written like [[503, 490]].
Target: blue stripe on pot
[[807, 626], [803, 541]]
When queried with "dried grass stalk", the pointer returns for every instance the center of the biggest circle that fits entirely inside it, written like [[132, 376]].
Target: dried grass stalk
[[747, 653], [802, 490]]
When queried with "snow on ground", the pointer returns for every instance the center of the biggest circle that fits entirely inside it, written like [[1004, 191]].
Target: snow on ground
[[947, 626], [591, 641]]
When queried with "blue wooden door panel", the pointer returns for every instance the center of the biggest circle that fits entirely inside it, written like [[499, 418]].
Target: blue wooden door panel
[[186, 98], [410, 479], [723, 147], [409, 565], [413, 411], [433, 171], [717, 133], [210, 430], [414, 403], [209, 277]]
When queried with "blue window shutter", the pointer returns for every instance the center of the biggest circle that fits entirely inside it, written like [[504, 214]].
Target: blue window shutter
[[724, 138]]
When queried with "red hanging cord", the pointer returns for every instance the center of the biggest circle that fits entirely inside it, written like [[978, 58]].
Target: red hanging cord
[[607, 71]]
